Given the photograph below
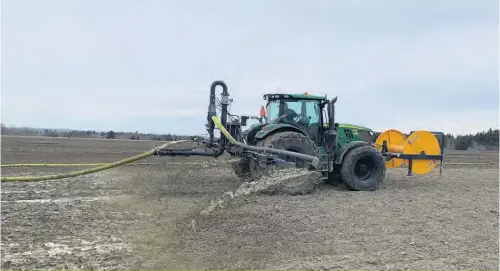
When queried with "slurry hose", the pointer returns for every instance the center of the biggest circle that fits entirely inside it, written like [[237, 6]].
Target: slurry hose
[[90, 170], [312, 159]]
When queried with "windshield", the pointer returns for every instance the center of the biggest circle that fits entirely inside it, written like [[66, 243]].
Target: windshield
[[304, 108]]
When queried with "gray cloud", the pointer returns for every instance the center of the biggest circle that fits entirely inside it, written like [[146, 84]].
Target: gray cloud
[[147, 65]]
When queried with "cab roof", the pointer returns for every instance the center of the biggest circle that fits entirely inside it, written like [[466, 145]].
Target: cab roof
[[301, 96]]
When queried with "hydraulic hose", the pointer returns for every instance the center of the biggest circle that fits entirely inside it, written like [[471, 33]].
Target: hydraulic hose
[[87, 171], [223, 130]]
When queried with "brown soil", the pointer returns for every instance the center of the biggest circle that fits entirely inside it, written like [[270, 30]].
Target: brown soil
[[141, 216]]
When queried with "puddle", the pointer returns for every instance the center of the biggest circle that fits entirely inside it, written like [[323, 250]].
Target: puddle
[[58, 200], [52, 249]]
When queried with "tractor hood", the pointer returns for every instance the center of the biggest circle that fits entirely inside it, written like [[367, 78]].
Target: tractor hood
[[354, 127], [341, 125]]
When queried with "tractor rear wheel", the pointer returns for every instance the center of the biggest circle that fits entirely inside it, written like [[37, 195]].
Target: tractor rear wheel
[[363, 168], [290, 141]]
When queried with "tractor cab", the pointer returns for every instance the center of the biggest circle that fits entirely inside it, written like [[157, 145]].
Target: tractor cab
[[302, 111], [309, 114], [305, 113]]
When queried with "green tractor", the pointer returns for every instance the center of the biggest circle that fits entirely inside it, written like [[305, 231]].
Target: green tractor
[[296, 130], [301, 123]]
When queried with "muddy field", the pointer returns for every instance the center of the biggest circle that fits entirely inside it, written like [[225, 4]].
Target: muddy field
[[142, 216]]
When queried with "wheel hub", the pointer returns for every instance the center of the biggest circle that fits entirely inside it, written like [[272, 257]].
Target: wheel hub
[[364, 168]]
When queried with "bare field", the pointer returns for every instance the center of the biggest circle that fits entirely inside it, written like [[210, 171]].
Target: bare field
[[135, 217]]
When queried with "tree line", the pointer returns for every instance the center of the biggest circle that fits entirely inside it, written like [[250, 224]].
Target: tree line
[[26, 131], [484, 140]]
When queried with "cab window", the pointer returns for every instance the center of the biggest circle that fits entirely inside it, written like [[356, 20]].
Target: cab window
[[304, 108], [272, 110]]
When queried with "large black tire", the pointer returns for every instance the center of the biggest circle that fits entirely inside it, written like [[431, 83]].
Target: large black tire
[[291, 141], [363, 178]]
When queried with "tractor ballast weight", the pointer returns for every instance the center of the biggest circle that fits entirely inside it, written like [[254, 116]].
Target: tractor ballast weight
[[312, 138]]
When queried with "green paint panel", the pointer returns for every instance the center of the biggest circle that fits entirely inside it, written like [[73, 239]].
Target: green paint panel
[[355, 127]]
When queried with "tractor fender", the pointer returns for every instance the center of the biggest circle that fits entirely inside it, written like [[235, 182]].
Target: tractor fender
[[344, 149], [276, 128], [249, 134]]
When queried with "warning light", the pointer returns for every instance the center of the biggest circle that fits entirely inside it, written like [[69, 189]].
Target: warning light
[[262, 112], [305, 93]]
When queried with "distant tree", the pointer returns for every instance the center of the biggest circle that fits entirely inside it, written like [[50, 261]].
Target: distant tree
[[488, 140], [110, 135], [168, 137], [463, 142]]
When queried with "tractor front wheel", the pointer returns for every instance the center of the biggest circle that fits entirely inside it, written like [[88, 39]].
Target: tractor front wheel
[[295, 142], [291, 141], [363, 168]]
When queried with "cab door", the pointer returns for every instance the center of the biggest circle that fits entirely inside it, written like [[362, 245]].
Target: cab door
[[313, 113]]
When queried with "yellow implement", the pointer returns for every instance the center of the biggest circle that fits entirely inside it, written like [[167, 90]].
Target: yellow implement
[[395, 141], [422, 142], [420, 151]]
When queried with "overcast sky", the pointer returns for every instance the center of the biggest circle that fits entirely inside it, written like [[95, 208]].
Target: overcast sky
[[147, 65]]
